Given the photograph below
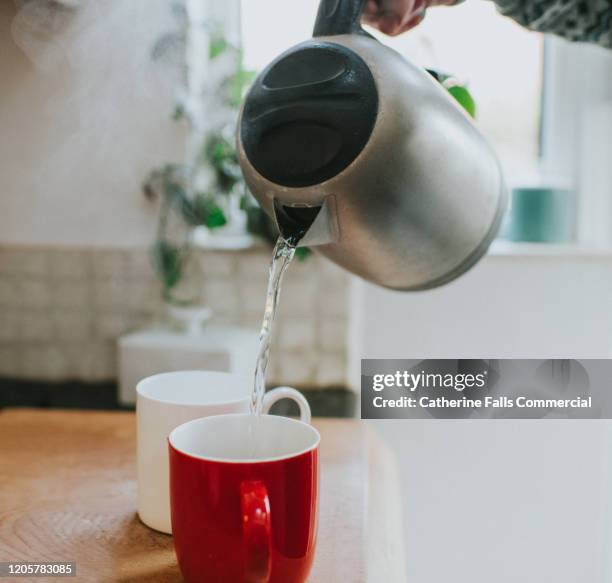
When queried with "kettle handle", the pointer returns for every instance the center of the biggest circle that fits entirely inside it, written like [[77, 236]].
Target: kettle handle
[[339, 17]]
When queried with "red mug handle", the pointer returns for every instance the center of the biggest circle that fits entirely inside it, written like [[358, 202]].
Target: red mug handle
[[256, 531]]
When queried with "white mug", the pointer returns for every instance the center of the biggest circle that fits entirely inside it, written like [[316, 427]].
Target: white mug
[[167, 400]]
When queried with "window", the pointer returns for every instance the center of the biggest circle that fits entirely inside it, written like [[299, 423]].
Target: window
[[576, 129]]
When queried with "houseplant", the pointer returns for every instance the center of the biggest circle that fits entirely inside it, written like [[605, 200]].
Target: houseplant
[[207, 191]]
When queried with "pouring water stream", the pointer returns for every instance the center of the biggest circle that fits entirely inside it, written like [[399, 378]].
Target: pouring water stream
[[281, 258]]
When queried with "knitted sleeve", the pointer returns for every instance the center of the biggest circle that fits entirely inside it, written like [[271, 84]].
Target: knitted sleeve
[[576, 20]]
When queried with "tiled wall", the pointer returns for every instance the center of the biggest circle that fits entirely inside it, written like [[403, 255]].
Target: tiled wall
[[61, 311]]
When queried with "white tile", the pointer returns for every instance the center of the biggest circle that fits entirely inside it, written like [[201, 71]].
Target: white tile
[[298, 295], [295, 368], [141, 295], [79, 359], [68, 307], [35, 293], [274, 374], [74, 294], [36, 326], [102, 362], [89, 361], [5, 261], [141, 318], [110, 325], [9, 325], [10, 361], [30, 262], [251, 319], [254, 266], [227, 312], [303, 269], [11, 262], [43, 362], [72, 325], [333, 334], [225, 318], [296, 333], [73, 359], [222, 295], [109, 294], [10, 295], [333, 301], [217, 264], [139, 264], [69, 265], [331, 370], [110, 265], [252, 297]]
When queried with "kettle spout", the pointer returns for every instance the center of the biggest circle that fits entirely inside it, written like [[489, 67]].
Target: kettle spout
[[302, 225]]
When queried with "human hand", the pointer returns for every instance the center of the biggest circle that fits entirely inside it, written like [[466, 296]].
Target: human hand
[[396, 16]]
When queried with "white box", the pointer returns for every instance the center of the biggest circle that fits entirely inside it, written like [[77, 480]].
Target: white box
[[155, 350]]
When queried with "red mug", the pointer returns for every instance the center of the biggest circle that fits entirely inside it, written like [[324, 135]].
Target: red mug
[[244, 498]]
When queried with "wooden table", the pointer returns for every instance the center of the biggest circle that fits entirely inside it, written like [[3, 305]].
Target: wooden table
[[68, 493]]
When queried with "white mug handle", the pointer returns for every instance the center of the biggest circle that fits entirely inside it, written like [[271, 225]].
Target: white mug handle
[[279, 393]]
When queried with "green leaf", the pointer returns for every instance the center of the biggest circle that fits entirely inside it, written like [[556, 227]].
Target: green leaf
[[205, 211], [167, 263], [464, 98], [217, 47], [238, 84], [221, 155], [175, 192], [168, 182], [179, 112], [216, 218], [191, 212], [303, 253]]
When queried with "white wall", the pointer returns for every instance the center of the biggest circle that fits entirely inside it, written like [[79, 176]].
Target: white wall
[[503, 501], [84, 115], [539, 304]]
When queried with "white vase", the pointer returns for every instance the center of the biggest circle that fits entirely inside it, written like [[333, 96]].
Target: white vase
[[191, 319]]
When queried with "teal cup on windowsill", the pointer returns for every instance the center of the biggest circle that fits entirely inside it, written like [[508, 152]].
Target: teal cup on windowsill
[[540, 215]]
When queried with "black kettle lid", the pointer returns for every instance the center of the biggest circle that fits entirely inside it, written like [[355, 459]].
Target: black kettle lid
[[309, 114]]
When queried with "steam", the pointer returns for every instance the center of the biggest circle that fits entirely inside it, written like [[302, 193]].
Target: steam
[[37, 29], [104, 100]]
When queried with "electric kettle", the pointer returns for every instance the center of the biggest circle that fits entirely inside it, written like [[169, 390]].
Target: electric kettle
[[361, 154]]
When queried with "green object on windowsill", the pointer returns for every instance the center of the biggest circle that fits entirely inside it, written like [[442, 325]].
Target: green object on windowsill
[[303, 253], [463, 97], [540, 214], [458, 90]]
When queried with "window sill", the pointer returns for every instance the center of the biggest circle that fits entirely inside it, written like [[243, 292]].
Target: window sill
[[514, 250]]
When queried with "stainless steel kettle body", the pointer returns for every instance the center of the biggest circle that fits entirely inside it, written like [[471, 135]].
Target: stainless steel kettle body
[[367, 157]]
